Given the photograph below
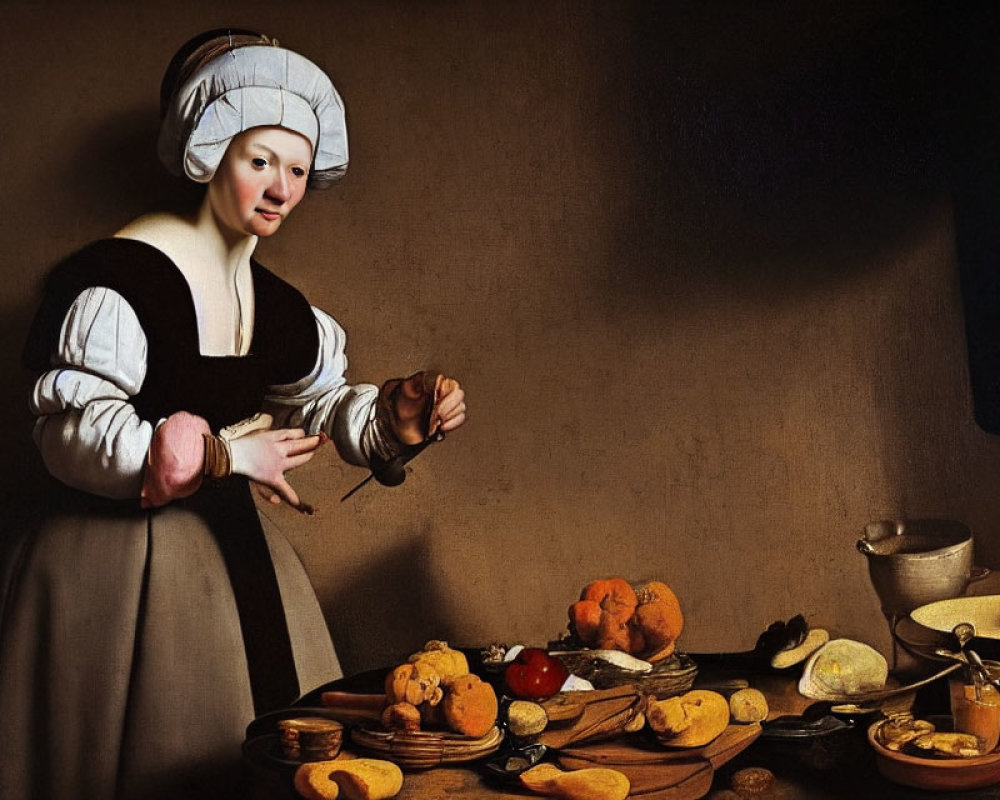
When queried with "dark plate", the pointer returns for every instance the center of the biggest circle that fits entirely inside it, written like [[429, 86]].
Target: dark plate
[[507, 765], [933, 622], [800, 728]]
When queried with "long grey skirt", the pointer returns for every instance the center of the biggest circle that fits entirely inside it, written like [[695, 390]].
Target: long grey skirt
[[123, 671]]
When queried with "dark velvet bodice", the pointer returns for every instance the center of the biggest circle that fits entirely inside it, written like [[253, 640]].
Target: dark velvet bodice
[[222, 389]]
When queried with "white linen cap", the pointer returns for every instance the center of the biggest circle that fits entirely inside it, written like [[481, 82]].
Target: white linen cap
[[246, 87]]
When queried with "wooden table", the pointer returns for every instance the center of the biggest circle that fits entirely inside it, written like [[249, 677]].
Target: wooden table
[[838, 767]]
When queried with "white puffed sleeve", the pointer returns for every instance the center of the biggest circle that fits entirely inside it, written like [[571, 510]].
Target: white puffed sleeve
[[89, 434], [323, 401]]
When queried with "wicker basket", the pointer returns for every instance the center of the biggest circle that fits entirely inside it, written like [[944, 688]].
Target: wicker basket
[[425, 749], [672, 676]]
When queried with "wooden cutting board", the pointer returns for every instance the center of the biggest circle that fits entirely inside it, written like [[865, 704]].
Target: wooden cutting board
[[658, 773], [668, 781], [598, 714]]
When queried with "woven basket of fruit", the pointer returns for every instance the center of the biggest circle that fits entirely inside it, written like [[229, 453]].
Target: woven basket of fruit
[[622, 634], [607, 669]]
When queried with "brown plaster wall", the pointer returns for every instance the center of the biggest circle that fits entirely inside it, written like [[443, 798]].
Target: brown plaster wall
[[694, 266]]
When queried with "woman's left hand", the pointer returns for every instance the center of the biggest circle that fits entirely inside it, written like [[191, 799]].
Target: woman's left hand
[[265, 456], [420, 409]]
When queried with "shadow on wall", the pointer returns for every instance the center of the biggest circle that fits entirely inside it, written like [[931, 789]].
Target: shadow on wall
[[971, 74], [397, 577], [22, 466], [139, 183], [974, 144], [792, 144], [136, 184], [784, 155]]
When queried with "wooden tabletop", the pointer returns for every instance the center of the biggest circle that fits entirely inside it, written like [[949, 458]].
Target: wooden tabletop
[[835, 767]]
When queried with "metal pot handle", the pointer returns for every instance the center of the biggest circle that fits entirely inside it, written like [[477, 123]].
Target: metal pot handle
[[978, 573]]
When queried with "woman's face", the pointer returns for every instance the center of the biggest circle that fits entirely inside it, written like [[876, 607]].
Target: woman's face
[[262, 177]]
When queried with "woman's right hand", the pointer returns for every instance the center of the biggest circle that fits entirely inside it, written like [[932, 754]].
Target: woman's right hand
[[423, 404], [265, 456]]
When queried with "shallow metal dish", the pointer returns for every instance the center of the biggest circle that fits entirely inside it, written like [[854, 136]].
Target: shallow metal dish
[[982, 611]]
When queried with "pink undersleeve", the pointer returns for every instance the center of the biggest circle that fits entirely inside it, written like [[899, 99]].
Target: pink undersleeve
[[176, 459]]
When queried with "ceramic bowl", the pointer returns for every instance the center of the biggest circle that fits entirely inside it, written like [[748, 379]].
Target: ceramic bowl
[[934, 774]]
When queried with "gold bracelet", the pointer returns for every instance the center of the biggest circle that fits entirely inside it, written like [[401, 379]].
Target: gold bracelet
[[218, 457]]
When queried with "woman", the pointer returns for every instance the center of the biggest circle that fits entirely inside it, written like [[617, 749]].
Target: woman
[[151, 617]]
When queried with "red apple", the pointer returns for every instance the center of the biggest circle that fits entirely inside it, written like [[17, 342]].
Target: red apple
[[534, 674]]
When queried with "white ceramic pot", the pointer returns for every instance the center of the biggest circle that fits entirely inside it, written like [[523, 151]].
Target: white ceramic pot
[[915, 562]]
